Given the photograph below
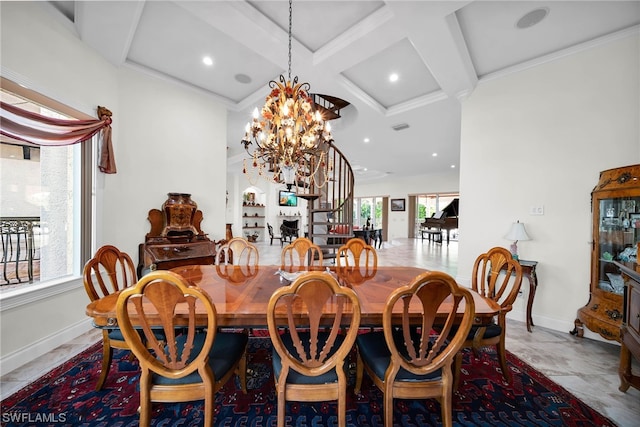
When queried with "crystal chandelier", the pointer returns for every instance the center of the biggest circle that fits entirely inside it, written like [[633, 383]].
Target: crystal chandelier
[[288, 139]]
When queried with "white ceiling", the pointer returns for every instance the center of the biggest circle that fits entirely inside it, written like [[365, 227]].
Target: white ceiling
[[441, 50]]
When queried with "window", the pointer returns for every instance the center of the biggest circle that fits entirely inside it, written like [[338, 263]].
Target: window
[[43, 212], [367, 207]]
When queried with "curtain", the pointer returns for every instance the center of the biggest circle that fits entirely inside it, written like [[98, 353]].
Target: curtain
[[30, 127], [412, 217]]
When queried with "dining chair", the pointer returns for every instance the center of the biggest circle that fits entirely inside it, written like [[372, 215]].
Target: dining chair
[[301, 253], [408, 362], [309, 350], [109, 271], [357, 259], [496, 275], [273, 237], [238, 251], [194, 361]]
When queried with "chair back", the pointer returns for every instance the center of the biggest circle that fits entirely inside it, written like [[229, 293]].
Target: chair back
[[498, 276], [301, 253], [165, 297], [312, 313], [109, 271], [358, 259], [270, 228], [238, 251], [426, 349]]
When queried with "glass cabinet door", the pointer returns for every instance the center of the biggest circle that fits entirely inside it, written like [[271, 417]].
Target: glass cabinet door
[[618, 232]]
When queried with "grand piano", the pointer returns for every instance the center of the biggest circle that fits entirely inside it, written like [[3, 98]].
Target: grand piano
[[446, 219]]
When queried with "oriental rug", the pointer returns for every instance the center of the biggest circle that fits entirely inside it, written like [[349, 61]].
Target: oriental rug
[[66, 397]]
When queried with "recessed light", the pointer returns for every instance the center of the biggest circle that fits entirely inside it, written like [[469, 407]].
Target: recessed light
[[366, 140], [207, 60], [242, 78], [393, 77], [453, 166], [532, 18], [434, 155]]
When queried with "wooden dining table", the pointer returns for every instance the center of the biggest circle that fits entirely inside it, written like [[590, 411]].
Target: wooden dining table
[[241, 293]]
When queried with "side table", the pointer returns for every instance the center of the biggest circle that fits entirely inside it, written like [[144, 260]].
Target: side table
[[529, 271]]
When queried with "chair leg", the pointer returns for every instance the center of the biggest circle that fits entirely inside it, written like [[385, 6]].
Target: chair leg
[[457, 367], [502, 357], [145, 401], [242, 372], [281, 405], [445, 408], [388, 407], [359, 374], [342, 408], [208, 406], [107, 354]]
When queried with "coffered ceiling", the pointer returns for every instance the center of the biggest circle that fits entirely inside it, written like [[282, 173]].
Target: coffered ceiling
[[440, 51]]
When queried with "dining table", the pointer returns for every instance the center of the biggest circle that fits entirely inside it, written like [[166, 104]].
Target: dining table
[[241, 293]]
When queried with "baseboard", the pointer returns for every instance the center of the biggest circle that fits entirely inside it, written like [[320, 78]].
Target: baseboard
[[38, 349]]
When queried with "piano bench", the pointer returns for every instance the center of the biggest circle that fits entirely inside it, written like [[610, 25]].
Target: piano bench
[[436, 235]]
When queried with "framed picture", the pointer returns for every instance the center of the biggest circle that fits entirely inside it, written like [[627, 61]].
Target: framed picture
[[397, 204], [634, 220]]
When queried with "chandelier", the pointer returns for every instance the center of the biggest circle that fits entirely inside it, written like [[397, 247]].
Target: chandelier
[[288, 139]]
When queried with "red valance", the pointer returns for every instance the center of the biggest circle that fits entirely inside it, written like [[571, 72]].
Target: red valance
[[30, 127]]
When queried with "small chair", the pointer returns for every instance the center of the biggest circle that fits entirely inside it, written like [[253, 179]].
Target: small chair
[[357, 256], [195, 362], [107, 272], [238, 251], [408, 362], [272, 236], [498, 276], [301, 253], [308, 358]]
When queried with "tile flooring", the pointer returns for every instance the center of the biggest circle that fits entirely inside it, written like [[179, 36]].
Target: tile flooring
[[587, 368]]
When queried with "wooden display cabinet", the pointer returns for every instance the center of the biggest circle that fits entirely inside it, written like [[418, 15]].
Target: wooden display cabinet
[[615, 204]]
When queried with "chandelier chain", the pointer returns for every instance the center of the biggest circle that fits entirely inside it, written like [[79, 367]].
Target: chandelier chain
[[290, 25]]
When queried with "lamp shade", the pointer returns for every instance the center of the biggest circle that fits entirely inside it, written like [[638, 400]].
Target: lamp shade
[[517, 232]]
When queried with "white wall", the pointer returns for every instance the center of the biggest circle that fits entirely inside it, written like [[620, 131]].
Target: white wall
[[167, 138], [543, 136], [401, 188], [171, 139]]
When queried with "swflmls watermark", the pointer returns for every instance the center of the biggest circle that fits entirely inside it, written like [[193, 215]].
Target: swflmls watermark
[[33, 417]]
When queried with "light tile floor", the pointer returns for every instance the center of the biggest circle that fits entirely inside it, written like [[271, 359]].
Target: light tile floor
[[586, 368]]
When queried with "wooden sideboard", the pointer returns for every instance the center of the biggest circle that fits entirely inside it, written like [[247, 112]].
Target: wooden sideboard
[[175, 238], [630, 329]]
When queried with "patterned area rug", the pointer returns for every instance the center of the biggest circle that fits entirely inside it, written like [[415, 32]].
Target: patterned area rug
[[66, 396]]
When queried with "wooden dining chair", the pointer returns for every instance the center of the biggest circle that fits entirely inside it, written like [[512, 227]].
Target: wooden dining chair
[[357, 259], [238, 251], [301, 253], [195, 361], [496, 275], [408, 362], [309, 351], [109, 271]]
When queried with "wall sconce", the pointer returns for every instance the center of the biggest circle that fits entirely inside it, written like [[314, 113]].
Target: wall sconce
[[516, 232]]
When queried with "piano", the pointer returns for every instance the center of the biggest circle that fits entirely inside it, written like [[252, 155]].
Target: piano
[[446, 219]]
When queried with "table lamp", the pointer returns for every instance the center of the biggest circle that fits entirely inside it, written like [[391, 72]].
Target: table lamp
[[516, 232]]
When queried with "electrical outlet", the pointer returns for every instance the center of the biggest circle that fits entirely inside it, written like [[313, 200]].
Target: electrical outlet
[[536, 210]]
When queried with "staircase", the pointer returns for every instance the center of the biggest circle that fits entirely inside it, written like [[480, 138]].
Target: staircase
[[329, 192]]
